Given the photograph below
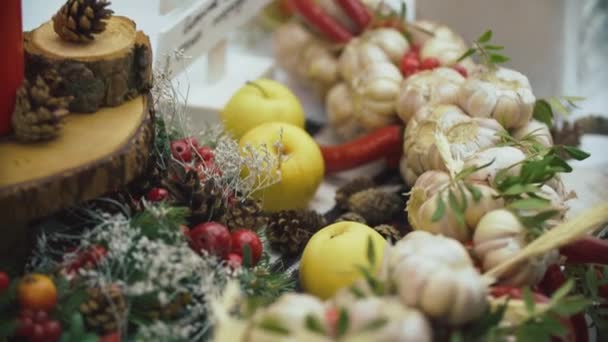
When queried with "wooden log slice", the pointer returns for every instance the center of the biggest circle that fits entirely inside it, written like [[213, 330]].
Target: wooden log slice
[[95, 154], [115, 67]]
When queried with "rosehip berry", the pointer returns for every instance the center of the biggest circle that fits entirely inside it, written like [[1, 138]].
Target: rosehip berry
[[429, 63], [41, 316], [461, 70], [181, 151], [5, 281], [52, 330], [206, 153], [25, 327], [409, 66], [191, 142], [38, 333], [234, 260], [157, 194]]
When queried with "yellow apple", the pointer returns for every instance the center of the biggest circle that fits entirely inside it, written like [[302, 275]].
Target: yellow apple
[[258, 102], [301, 166], [331, 256]]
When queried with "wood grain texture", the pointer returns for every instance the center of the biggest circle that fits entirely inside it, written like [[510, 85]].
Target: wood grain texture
[[95, 154], [113, 68]]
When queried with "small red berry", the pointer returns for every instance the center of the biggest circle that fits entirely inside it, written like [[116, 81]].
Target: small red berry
[[206, 153], [234, 260], [38, 333], [409, 66], [429, 63], [5, 281], [52, 330], [461, 70], [157, 194], [41, 316], [25, 327], [112, 337], [192, 142], [412, 54], [243, 237], [181, 151]]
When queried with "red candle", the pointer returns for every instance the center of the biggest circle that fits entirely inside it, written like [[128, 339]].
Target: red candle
[[11, 69]]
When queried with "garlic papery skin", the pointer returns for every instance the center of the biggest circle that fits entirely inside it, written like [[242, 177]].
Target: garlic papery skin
[[436, 275], [506, 158], [447, 46], [289, 41], [402, 323], [423, 202], [374, 92], [392, 42], [536, 130], [319, 66], [438, 86], [340, 112], [500, 236], [501, 93], [358, 55]]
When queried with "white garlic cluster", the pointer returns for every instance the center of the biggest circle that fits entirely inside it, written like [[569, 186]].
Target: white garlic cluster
[[499, 93], [536, 131], [436, 275], [441, 42], [340, 109], [499, 237]]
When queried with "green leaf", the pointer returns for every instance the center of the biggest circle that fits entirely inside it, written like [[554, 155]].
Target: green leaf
[[529, 300], [456, 337], [485, 37], [591, 281], [313, 324], [562, 292], [576, 153], [530, 204], [457, 208], [357, 292], [570, 306], [371, 251], [532, 332], [493, 47], [70, 303], [273, 325], [342, 325], [518, 189], [468, 53], [552, 326], [375, 324], [440, 211], [497, 59], [476, 193], [543, 112], [247, 256]]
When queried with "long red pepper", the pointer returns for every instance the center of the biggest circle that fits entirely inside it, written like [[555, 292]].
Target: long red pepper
[[554, 279], [356, 11], [381, 143], [11, 68], [322, 21], [588, 250]]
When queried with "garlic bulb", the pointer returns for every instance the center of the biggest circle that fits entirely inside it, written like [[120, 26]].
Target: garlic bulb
[[535, 130], [500, 236], [502, 94], [392, 42], [358, 55], [466, 136], [447, 46], [319, 66], [289, 41], [502, 158], [340, 112], [402, 323], [421, 35], [423, 203], [436, 275], [438, 86], [374, 92]]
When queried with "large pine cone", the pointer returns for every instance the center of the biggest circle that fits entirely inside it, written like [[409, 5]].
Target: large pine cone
[[78, 20], [105, 309], [350, 188], [289, 230], [245, 214], [376, 206], [39, 110]]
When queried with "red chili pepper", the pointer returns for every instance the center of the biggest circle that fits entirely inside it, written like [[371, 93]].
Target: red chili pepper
[[322, 21], [357, 11], [588, 250], [383, 142]]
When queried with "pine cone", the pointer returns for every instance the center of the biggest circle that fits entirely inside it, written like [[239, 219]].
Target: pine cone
[[389, 232], [104, 310], [593, 124], [205, 200], [353, 217], [245, 214], [376, 206], [351, 187], [171, 310], [289, 230], [78, 20], [39, 110], [569, 134]]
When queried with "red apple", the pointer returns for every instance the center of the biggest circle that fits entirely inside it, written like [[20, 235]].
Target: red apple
[[212, 237], [242, 237]]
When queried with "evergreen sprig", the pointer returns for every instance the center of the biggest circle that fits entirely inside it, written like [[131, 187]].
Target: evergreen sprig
[[486, 50]]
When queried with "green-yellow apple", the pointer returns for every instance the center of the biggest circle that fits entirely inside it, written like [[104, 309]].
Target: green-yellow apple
[[258, 102], [299, 162], [331, 257]]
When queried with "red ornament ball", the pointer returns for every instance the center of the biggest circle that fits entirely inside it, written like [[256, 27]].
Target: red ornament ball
[[205, 153], [247, 237], [157, 194], [212, 237]]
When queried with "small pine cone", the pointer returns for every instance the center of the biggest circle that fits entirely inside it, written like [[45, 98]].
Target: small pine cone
[[353, 186], [389, 232], [78, 20], [245, 214], [353, 217], [38, 111], [105, 309], [288, 231], [569, 134], [376, 206], [593, 124]]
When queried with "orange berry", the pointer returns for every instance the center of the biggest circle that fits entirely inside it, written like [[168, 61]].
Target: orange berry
[[37, 292]]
